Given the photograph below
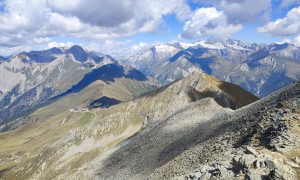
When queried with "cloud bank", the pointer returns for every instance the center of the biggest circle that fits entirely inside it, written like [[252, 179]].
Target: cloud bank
[[22, 21]]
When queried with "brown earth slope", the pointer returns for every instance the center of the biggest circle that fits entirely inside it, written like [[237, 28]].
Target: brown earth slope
[[81, 144]]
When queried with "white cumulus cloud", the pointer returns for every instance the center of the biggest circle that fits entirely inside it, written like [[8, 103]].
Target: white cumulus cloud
[[208, 22], [242, 11], [289, 25], [24, 20], [59, 44]]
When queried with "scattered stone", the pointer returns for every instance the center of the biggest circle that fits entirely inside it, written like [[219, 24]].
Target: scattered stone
[[279, 105], [297, 160], [269, 164], [205, 175], [252, 151], [253, 174], [215, 172], [198, 174], [274, 175], [249, 158], [259, 163], [294, 165]]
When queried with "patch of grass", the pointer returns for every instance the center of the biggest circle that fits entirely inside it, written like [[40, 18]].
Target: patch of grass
[[85, 118], [5, 168], [242, 96]]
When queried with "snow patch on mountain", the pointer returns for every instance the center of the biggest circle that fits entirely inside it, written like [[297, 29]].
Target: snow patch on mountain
[[203, 44], [244, 67], [237, 47], [165, 48]]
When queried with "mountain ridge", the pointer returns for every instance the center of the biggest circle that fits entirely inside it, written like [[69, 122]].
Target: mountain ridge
[[223, 144], [31, 79], [81, 133], [250, 65]]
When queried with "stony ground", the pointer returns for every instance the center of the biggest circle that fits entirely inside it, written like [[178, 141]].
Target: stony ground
[[183, 131], [259, 141]]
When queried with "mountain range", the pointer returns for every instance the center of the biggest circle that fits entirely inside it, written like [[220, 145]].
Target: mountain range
[[173, 111], [196, 127], [258, 68], [31, 80], [100, 128]]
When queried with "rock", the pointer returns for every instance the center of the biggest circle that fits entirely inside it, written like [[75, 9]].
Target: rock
[[191, 177], [215, 172], [248, 159], [274, 175], [223, 171], [252, 151], [259, 163], [253, 174], [239, 165], [205, 175], [294, 165], [279, 105], [205, 168], [270, 165], [297, 160], [197, 174]]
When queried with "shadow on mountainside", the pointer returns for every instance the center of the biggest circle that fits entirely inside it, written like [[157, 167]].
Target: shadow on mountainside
[[149, 150], [104, 102], [107, 73]]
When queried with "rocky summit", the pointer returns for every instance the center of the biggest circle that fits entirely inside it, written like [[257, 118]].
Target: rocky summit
[[258, 141]]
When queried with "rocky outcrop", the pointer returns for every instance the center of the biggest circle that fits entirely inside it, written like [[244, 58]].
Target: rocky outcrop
[[261, 141]]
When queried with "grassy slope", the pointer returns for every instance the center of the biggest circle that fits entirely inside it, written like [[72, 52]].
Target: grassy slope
[[30, 143]]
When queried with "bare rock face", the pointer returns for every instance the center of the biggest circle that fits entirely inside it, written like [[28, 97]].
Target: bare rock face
[[30, 79], [35, 79]]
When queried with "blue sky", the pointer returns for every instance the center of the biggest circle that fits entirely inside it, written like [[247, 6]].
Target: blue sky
[[115, 27]]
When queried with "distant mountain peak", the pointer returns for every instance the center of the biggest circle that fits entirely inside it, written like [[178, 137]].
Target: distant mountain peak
[[212, 40], [76, 53], [107, 73], [2, 58], [76, 48]]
